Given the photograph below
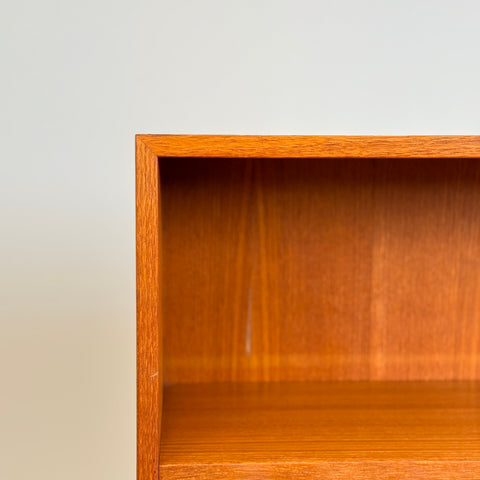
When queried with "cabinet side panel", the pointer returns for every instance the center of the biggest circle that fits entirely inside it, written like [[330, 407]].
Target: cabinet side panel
[[149, 327]]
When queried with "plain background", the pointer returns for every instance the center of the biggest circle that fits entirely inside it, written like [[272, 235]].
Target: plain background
[[79, 79]]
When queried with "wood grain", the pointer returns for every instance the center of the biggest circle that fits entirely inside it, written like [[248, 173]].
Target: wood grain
[[308, 258], [426, 271], [149, 331], [321, 269], [331, 430], [250, 146]]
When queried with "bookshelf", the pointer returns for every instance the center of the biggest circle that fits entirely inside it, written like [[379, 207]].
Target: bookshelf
[[308, 307]]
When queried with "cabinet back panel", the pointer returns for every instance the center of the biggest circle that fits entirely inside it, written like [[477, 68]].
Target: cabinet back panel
[[305, 269]]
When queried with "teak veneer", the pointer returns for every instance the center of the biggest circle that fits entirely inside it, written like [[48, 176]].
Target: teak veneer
[[308, 307]]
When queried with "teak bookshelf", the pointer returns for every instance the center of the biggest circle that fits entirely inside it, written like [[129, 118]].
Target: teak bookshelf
[[308, 307]]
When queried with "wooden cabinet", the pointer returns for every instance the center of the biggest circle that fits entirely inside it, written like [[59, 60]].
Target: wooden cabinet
[[308, 307]]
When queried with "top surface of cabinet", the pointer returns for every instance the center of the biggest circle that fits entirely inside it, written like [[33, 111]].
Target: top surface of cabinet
[[278, 146]]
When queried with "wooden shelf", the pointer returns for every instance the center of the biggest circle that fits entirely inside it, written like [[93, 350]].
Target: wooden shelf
[[328, 430], [347, 265]]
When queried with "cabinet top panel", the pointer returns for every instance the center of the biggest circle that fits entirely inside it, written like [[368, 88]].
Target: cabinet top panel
[[333, 146]]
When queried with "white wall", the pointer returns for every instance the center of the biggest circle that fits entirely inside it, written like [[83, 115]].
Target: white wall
[[79, 79]]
